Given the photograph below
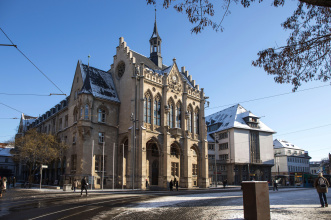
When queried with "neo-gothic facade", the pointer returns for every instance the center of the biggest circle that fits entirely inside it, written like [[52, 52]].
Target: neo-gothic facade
[[146, 117]]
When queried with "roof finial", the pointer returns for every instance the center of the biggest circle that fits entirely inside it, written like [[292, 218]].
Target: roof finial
[[88, 62]]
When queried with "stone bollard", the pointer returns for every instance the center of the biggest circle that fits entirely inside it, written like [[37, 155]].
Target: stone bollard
[[256, 200]]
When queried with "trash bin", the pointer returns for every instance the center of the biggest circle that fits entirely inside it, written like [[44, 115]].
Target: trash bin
[[66, 187], [256, 200]]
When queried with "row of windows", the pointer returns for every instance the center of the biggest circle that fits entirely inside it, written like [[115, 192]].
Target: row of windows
[[223, 156], [175, 113], [298, 169], [297, 160], [86, 116], [223, 146]]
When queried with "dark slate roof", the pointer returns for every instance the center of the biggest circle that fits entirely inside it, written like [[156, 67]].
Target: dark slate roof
[[155, 32], [149, 63], [98, 83]]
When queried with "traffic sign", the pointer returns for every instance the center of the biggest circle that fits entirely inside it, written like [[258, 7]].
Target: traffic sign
[[44, 166]]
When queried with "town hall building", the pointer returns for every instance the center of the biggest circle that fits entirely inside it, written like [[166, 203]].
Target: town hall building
[[141, 123]]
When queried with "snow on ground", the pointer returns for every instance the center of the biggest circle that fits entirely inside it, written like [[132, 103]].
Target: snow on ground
[[285, 204]]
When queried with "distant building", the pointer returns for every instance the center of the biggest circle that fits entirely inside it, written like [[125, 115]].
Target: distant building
[[7, 165], [315, 167], [243, 149], [291, 162]]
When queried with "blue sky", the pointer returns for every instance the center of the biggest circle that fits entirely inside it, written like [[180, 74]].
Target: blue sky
[[56, 34]]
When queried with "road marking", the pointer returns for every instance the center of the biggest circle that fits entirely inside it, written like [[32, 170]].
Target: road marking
[[64, 210], [79, 213]]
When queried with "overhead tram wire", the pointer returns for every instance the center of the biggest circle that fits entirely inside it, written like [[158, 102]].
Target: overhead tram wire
[[267, 97], [32, 62], [3, 93], [11, 107]]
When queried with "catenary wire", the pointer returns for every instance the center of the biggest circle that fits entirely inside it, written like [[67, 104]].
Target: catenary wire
[[267, 97], [32, 62]]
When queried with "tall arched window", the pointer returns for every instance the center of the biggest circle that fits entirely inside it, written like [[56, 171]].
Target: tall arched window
[[196, 121], [101, 115], [157, 111], [178, 115], [81, 113], [147, 108], [171, 115], [86, 111], [189, 120]]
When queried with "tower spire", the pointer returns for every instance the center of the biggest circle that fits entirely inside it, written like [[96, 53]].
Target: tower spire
[[155, 46]]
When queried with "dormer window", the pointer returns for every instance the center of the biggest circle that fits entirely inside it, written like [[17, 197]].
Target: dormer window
[[251, 121]]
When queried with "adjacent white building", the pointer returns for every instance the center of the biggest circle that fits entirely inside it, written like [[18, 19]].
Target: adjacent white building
[[7, 165], [243, 148], [291, 162]]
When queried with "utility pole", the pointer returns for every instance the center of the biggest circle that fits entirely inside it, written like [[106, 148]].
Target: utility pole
[[215, 162]]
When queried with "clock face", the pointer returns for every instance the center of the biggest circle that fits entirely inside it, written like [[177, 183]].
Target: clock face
[[174, 78]]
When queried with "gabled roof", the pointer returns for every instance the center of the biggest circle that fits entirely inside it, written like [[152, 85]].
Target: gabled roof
[[98, 83], [233, 117], [285, 144], [148, 63]]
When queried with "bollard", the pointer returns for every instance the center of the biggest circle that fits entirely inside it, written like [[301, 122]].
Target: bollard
[[256, 200]]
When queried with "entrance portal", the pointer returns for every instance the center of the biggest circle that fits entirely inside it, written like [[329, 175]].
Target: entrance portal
[[155, 172]]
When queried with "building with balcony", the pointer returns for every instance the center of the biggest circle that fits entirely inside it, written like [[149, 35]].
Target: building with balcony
[[239, 146], [139, 121], [291, 163]]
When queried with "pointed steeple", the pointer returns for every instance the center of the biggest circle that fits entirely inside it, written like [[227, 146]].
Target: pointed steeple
[[155, 46]]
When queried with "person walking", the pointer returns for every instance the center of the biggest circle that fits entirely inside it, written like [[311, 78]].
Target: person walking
[[171, 185], [74, 185], [14, 182], [275, 185], [177, 185], [84, 185], [321, 184], [1, 186], [225, 182]]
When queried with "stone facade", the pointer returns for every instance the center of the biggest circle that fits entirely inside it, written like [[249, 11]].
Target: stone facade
[[148, 119]]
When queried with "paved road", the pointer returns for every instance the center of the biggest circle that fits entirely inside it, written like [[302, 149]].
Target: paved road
[[185, 204]]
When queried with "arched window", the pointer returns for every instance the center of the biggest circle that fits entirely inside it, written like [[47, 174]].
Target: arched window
[[101, 115], [178, 115], [147, 108], [189, 120], [171, 115], [196, 121], [157, 111], [86, 112], [81, 113]]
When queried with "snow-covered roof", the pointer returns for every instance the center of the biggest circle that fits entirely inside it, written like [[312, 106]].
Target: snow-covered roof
[[233, 117], [284, 144], [98, 83], [5, 152], [210, 139]]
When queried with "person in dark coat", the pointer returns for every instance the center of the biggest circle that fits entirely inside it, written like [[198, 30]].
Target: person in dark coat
[[14, 182], [84, 185], [177, 185], [321, 184], [275, 185], [171, 185], [225, 182]]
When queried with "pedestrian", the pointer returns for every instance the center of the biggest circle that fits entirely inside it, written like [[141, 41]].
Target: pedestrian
[[84, 185], [74, 185], [9, 182], [1, 187], [275, 185], [225, 182], [14, 182], [170, 185], [177, 185], [321, 184]]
